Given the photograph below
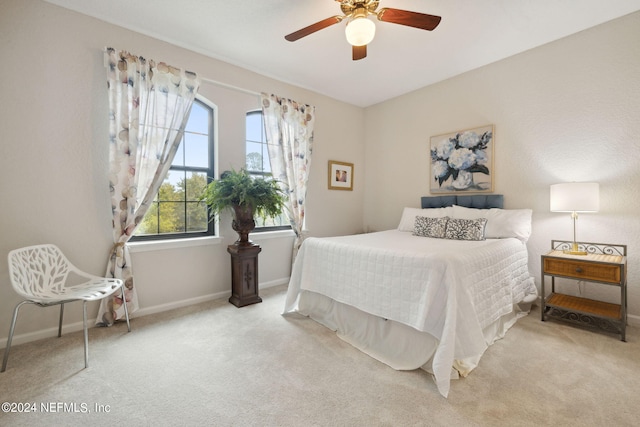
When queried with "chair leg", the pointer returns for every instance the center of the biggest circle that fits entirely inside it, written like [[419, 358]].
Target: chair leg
[[126, 310], [60, 323], [86, 334], [11, 330]]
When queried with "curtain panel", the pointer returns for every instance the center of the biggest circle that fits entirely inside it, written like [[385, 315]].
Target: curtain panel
[[149, 105], [289, 133]]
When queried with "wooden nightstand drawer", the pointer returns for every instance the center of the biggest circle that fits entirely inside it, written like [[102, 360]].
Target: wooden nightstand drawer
[[583, 270]]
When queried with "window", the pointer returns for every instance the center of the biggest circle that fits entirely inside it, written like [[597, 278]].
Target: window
[[176, 211], [258, 166]]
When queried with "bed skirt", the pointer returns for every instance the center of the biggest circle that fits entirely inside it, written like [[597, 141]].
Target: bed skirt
[[395, 344]]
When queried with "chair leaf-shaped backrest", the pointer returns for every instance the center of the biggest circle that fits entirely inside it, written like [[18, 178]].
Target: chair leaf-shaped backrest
[[39, 272]]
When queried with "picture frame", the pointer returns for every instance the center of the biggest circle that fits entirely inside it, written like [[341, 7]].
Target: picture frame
[[462, 161], [340, 175]]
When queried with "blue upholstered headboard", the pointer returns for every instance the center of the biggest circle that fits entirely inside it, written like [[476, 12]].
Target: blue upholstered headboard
[[478, 201]]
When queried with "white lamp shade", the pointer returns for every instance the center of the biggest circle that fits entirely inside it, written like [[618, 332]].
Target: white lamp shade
[[360, 31], [575, 197]]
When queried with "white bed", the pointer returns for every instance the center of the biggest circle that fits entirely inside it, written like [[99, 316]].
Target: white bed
[[418, 302]]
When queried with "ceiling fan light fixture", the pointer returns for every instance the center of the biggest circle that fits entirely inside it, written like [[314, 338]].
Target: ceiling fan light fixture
[[360, 31]]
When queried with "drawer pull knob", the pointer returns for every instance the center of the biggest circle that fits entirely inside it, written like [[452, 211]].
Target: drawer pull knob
[[578, 270]]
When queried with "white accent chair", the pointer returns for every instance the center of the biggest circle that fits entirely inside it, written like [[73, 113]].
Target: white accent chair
[[44, 276]]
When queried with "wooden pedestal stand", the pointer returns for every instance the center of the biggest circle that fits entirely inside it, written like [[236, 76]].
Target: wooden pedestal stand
[[244, 271]]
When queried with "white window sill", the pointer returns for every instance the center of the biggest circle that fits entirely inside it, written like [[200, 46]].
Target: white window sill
[[271, 235], [158, 245]]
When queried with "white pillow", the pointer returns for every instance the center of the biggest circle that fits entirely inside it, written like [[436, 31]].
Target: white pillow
[[408, 220], [501, 223]]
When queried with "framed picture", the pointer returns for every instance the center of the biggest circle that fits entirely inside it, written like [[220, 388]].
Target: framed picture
[[340, 175], [462, 161]]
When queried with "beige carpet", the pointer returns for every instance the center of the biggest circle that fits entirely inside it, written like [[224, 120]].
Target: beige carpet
[[213, 364]]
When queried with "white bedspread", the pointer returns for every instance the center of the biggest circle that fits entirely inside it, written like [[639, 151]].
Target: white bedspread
[[450, 289]]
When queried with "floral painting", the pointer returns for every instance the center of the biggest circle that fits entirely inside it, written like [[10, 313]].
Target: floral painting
[[462, 161]]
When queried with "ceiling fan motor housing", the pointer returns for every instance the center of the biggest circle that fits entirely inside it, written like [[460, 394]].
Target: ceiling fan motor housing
[[365, 6]]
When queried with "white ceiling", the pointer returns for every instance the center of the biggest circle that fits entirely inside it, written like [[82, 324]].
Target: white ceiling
[[250, 34]]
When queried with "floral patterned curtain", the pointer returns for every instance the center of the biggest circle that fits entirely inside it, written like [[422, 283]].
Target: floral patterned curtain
[[149, 105], [289, 133]]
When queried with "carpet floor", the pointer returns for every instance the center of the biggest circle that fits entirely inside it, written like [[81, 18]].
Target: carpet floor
[[213, 364]]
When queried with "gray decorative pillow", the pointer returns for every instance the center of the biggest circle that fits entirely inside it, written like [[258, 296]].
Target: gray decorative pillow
[[465, 229], [430, 227]]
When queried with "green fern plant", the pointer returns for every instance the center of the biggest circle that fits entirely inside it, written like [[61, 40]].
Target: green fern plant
[[238, 188]]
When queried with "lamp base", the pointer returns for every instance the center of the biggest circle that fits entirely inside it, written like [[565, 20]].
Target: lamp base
[[574, 250], [568, 252]]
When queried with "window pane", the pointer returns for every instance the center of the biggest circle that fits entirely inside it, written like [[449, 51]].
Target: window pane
[[198, 119], [266, 164], [171, 217], [178, 160], [197, 219], [255, 159], [149, 224], [196, 150], [272, 221], [172, 188], [176, 211], [254, 126], [195, 184]]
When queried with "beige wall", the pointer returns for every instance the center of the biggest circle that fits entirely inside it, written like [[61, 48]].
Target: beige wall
[[53, 149], [567, 111]]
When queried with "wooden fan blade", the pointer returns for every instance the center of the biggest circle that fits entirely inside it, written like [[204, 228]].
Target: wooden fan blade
[[313, 28], [359, 52], [410, 19]]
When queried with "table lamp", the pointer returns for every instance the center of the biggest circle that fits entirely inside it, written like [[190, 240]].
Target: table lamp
[[575, 197]]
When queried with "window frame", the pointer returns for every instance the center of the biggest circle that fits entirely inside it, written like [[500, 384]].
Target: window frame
[[212, 229], [261, 174]]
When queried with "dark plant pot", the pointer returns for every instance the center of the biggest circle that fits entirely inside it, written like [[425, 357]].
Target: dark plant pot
[[243, 224]]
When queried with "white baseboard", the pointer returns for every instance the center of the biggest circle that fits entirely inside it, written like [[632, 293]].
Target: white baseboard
[[192, 301], [144, 311], [632, 320], [273, 283], [41, 334]]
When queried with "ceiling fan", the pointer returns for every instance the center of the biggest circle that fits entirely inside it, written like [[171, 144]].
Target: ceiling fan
[[360, 30]]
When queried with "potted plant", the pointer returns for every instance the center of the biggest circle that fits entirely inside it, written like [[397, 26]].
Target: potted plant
[[246, 197]]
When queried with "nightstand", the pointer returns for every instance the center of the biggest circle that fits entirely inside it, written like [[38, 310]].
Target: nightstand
[[604, 264]]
